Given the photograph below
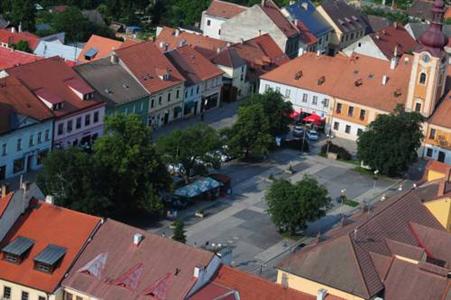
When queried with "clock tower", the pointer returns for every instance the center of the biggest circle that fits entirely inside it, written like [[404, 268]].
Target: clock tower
[[429, 68]]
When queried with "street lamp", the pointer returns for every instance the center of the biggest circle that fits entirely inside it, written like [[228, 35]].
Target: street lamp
[[375, 178]]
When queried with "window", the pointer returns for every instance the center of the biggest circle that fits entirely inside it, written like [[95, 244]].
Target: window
[[159, 100], [24, 296], [417, 107], [362, 114], [169, 97], [68, 296], [19, 144], [69, 126], [350, 111], [197, 90], [423, 78], [278, 89], [339, 105], [87, 120], [432, 134], [287, 93], [39, 137], [186, 93], [359, 131], [177, 94], [78, 123], [96, 116], [19, 165], [304, 97], [348, 129], [60, 128], [266, 87], [336, 126], [326, 102], [315, 100], [4, 150], [41, 298], [429, 152], [6, 292], [47, 135], [219, 32], [31, 141], [152, 103], [208, 22], [242, 78]]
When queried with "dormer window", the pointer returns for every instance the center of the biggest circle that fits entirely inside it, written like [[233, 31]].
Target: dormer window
[[53, 101], [16, 251], [49, 258], [80, 88]]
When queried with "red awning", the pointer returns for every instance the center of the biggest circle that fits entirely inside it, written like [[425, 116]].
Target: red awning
[[295, 115], [313, 118]]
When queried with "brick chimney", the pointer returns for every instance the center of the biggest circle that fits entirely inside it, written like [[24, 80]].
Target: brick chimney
[[5, 190]]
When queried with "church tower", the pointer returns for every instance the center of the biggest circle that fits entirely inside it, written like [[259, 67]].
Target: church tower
[[429, 69]]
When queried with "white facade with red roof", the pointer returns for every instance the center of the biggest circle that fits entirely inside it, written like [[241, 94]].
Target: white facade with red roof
[[217, 13]]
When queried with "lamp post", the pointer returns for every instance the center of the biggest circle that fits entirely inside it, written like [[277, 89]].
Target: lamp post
[[375, 178]]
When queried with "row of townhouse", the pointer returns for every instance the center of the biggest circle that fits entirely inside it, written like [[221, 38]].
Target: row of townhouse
[[351, 91], [53, 253], [297, 28]]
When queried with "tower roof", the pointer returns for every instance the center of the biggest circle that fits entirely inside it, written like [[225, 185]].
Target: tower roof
[[433, 39]]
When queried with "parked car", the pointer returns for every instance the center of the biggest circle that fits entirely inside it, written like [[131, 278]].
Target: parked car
[[312, 135], [298, 130]]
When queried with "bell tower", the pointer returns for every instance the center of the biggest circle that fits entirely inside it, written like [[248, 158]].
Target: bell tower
[[429, 68]]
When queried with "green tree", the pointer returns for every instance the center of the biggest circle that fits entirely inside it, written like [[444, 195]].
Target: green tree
[[391, 142], [276, 109], [71, 176], [65, 22], [22, 46], [291, 206], [179, 232], [249, 137], [194, 148], [22, 12], [134, 171]]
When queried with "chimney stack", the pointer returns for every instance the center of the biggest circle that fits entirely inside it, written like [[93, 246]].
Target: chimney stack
[[384, 79], [199, 271], [49, 199], [13, 29], [114, 58], [177, 32], [137, 239], [322, 293], [5, 190]]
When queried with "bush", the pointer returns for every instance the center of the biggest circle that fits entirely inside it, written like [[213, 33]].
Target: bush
[[341, 152]]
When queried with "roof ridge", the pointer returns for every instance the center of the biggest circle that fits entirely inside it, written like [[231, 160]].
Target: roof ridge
[[353, 245], [231, 3]]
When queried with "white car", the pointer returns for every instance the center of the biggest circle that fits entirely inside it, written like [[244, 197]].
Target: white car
[[312, 135]]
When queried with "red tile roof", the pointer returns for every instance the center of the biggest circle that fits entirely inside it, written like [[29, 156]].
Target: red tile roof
[[442, 113], [46, 224], [50, 76], [4, 202], [391, 37], [359, 79], [8, 37], [228, 57], [16, 98], [274, 13], [148, 64], [193, 65], [346, 260], [306, 36], [160, 265], [11, 58], [170, 38], [224, 9], [437, 166], [104, 46], [249, 287]]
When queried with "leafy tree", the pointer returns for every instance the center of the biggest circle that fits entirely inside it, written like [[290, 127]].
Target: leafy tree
[[194, 148], [128, 159], [65, 22], [179, 232], [22, 45], [291, 206], [391, 142], [276, 109], [71, 176], [21, 12], [249, 137]]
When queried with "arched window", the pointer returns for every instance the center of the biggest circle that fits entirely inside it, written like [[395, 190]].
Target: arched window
[[423, 78]]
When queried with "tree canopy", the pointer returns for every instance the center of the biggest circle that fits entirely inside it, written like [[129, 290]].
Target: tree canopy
[[194, 148], [123, 175], [291, 206], [179, 231], [390, 143], [250, 136], [276, 109]]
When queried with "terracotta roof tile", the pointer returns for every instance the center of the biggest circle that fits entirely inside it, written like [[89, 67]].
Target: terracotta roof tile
[[224, 9], [228, 57], [390, 37], [193, 65], [51, 75], [358, 80], [249, 287], [46, 224], [170, 38], [159, 263], [8, 37], [11, 58], [442, 113], [146, 63], [274, 13], [102, 46]]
